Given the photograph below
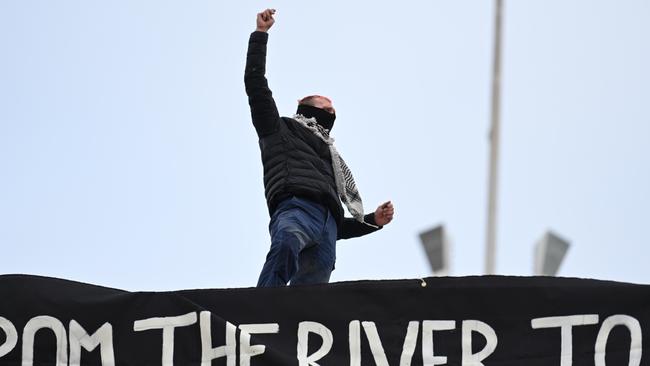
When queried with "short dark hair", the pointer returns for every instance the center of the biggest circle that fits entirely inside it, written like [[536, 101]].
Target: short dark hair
[[309, 100]]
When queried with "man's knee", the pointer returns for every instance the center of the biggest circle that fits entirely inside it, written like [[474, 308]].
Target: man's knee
[[290, 236]]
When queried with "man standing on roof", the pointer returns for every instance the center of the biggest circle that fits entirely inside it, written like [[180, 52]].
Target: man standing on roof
[[305, 179]]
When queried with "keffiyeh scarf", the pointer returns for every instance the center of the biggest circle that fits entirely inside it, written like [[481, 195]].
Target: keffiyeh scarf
[[345, 185]]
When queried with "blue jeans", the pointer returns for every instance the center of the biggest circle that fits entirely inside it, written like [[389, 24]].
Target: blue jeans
[[303, 244]]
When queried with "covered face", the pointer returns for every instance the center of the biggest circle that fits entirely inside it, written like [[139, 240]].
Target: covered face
[[318, 107]]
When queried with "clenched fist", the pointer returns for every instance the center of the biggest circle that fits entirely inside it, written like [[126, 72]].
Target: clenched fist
[[265, 20], [384, 213]]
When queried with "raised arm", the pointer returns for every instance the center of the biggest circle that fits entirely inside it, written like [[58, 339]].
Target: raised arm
[[260, 99]]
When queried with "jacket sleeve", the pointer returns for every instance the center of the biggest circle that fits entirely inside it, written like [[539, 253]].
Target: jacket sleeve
[[260, 99], [351, 228]]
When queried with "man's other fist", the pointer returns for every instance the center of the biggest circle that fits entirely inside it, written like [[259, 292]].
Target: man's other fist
[[384, 213], [265, 20]]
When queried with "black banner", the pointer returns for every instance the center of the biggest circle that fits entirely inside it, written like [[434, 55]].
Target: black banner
[[469, 321]]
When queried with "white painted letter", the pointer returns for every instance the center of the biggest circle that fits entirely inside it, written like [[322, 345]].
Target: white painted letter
[[376, 348], [246, 351], [355, 343], [103, 337], [635, 338], [304, 328], [428, 327], [167, 324], [474, 359], [11, 336], [565, 323], [42, 322], [410, 340], [207, 352]]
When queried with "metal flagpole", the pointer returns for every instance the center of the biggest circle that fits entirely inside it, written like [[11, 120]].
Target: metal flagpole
[[494, 146]]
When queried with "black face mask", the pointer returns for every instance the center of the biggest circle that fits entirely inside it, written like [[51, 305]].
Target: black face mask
[[323, 117]]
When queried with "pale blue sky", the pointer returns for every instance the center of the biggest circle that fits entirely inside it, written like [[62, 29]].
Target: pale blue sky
[[127, 157]]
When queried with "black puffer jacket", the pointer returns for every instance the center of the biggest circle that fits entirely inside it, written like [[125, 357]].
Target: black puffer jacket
[[296, 162]]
